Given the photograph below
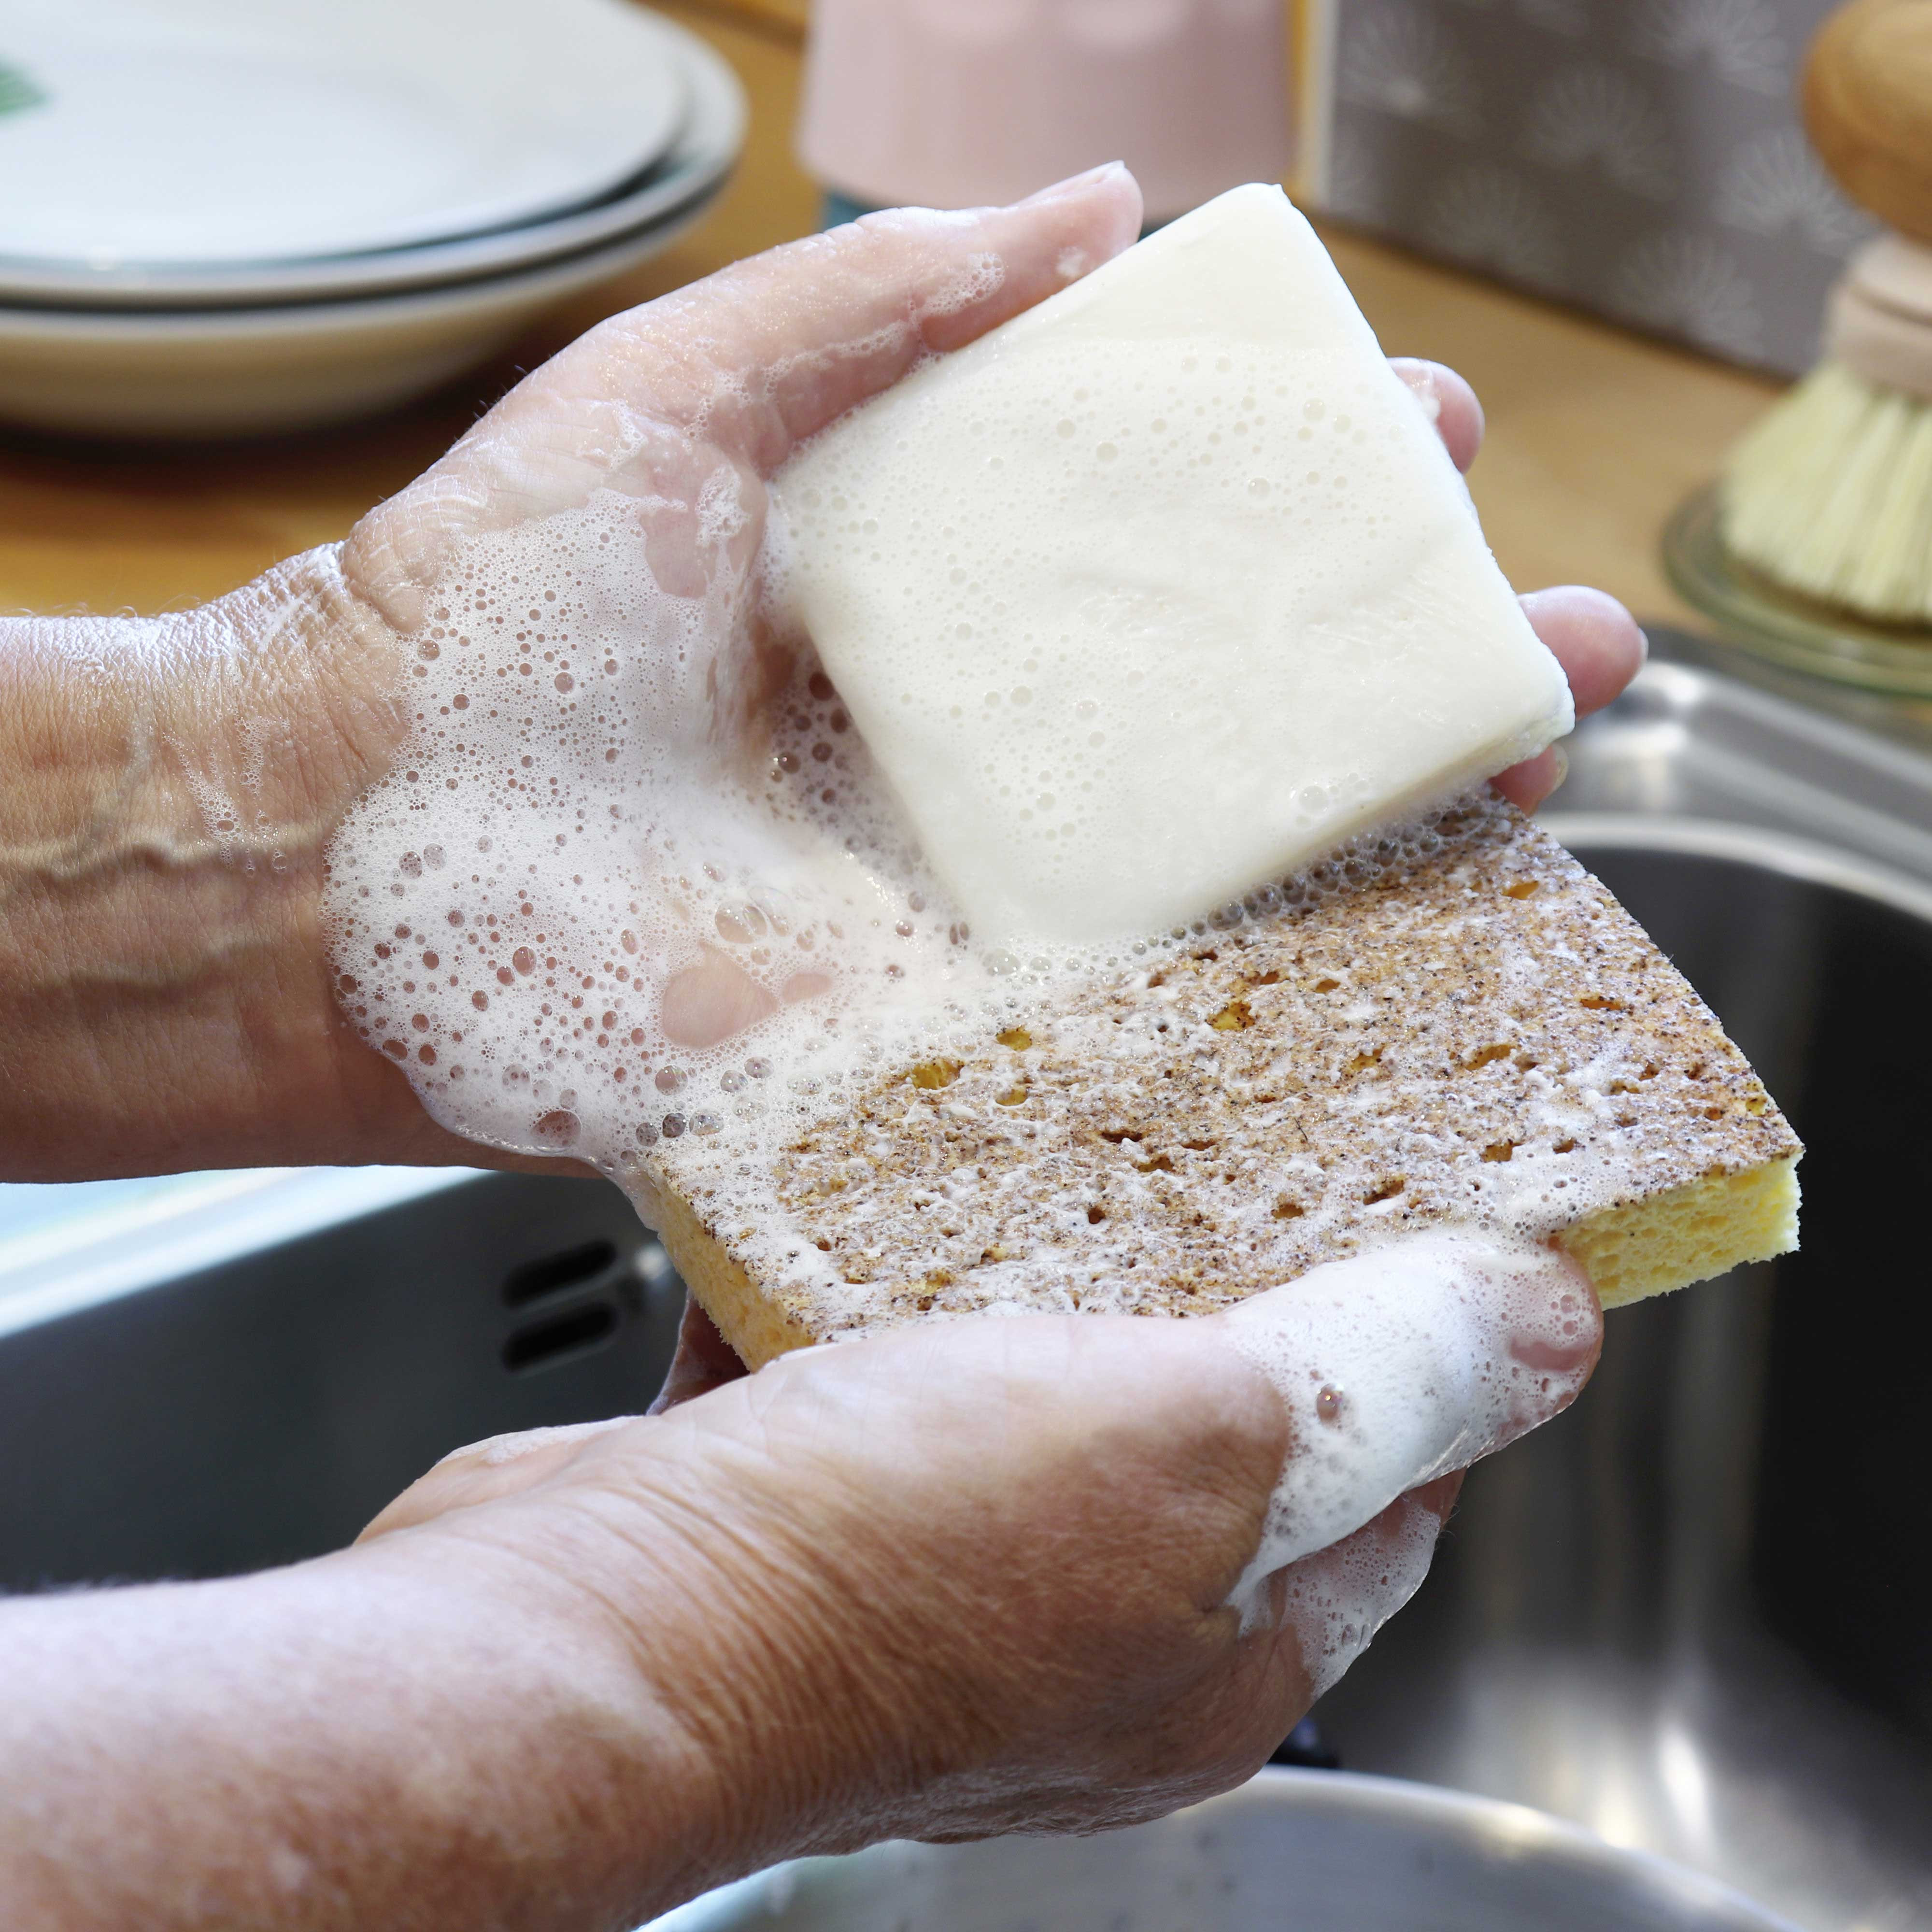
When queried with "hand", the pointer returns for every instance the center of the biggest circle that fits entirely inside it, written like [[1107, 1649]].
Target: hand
[[975, 1577], [1592, 636], [630, 440], [167, 999], [971, 1577]]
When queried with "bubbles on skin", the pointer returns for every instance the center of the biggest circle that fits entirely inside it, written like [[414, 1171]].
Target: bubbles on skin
[[1400, 1366], [610, 891], [980, 278], [639, 932], [1336, 1599]]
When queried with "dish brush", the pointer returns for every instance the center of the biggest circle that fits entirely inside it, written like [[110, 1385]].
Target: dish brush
[[1830, 495]]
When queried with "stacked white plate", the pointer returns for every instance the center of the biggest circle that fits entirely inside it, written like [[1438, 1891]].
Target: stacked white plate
[[222, 218]]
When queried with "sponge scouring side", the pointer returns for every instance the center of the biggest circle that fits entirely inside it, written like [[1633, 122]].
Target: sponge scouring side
[[1480, 1037]]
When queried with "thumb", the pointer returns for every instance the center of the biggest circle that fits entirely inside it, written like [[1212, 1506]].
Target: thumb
[[1330, 1605], [1400, 1366]]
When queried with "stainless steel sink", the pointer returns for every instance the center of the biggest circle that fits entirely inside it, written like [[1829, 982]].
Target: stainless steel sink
[[1695, 1614], [205, 1379]]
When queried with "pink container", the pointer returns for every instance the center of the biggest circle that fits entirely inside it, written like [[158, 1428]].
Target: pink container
[[953, 103]]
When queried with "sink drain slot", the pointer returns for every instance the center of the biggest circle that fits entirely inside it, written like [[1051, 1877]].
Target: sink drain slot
[[553, 1274], [563, 1337]]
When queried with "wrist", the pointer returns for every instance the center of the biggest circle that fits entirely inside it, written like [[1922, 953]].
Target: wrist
[[567, 1648], [747, 1615], [164, 993], [551, 1751]]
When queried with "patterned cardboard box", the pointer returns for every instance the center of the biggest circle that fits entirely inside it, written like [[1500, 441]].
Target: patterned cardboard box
[[1641, 158]]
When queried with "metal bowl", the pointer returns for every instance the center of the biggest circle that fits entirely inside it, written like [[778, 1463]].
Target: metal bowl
[[1292, 1851]]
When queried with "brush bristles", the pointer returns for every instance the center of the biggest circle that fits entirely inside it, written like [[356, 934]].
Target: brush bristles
[[1831, 496]]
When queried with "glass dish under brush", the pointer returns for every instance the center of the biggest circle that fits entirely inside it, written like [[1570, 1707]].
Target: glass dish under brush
[[1756, 615]]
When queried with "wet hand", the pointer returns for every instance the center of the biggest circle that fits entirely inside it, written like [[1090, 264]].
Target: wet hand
[[1034, 1573]]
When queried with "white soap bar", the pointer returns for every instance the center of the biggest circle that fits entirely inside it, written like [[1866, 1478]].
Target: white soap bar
[[1161, 590]]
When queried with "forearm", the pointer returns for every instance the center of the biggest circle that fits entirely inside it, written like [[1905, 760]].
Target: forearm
[[168, 787], [365, 1740], [666, 1663]]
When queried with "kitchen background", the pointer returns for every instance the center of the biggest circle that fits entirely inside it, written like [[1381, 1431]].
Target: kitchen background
[[1603, 211], [1643, 159]]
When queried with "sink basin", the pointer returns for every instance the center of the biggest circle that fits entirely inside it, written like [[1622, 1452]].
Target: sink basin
[[243, 1370], [1695, 1613]]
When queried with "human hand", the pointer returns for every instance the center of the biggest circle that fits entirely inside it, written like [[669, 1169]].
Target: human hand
[[976, 1576], [972, 1577], [168, 998], [606, 525]]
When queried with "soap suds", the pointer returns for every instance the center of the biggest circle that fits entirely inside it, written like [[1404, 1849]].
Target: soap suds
[[585, 917], [1338, 1599], [1397, 1367], [574, 876]]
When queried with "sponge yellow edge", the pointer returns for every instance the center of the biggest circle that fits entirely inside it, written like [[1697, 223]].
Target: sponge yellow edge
[[1687, 1234], [757, 1327]]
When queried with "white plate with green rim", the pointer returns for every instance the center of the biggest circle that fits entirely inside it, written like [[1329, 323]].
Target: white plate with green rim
[[210, 132]]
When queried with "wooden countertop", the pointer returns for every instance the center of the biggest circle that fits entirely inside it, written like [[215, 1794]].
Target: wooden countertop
[[1594, 434]]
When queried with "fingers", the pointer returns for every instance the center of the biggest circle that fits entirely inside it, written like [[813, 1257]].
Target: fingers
[[767, 351], [803, 333], [704, 1361], [1600, 648], [1593, 636], [1597, 641], [1400, 1365], [1527, 784], [1449, 403], [741, 366]]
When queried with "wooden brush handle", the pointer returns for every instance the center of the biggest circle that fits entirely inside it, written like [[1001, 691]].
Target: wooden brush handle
[[1868, 107]]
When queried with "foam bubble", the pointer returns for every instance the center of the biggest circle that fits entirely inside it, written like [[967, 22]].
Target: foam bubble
[[625, 884], [1400, 1366], [1337, 1599], [582, 912]]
